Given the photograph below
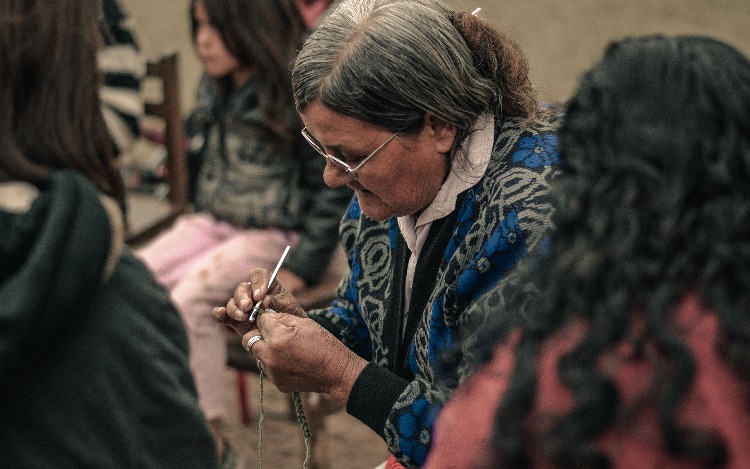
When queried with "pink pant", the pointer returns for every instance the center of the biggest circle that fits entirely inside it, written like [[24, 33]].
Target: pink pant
[[201, 260]]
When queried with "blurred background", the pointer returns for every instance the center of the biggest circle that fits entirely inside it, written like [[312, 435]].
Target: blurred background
[[561, 38]]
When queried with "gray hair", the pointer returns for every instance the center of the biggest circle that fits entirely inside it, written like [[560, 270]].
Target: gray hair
[[387, 62]]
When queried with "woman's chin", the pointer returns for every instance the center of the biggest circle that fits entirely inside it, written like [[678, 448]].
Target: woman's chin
[[379, 215], [373, 207]]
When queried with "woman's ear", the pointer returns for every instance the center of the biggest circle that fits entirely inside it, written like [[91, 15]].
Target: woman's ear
[[312, 11], [442, 133]]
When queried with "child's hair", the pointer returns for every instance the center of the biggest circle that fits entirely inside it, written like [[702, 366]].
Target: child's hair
[[264, 35], [49, 101]]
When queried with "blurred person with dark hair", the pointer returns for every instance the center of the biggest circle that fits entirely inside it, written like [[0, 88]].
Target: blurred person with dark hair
[[93, 356], [626, 343], [257, 186]]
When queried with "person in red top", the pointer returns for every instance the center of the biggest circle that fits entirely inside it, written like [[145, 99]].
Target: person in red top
[[628, 342]]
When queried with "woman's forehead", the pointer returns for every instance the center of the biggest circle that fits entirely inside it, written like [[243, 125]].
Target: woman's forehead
[[333, 128]]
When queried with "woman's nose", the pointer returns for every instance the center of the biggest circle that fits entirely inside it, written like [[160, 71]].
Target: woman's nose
[[334, 175], [202, 37]]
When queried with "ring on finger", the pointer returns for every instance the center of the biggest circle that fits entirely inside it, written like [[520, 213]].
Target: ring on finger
[[252, 342]]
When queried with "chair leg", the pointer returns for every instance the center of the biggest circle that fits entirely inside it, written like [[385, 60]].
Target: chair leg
[[246, 412]]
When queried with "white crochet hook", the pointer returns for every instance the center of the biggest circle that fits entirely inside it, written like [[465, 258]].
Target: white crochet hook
[[256, 308]]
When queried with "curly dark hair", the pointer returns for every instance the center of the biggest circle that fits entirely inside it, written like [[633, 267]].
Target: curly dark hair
[[653, 203]]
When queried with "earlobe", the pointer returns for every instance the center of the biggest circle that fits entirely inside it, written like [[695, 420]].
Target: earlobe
[[442, 132]]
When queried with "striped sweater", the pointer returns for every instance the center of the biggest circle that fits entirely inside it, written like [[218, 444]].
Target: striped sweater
[[123, 67]]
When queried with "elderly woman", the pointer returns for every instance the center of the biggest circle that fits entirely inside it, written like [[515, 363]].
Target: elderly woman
[[429, 116]]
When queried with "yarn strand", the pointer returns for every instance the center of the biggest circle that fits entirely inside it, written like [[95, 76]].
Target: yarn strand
[[260, 423], [300, 411], [301, 418]]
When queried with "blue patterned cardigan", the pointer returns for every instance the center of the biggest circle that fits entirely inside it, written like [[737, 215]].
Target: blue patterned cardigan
[[495, 223]]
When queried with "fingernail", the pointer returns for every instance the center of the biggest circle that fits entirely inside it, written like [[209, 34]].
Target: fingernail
[[256, 293]]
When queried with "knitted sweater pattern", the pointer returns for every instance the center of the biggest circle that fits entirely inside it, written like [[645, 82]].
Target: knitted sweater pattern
[[496, 222]]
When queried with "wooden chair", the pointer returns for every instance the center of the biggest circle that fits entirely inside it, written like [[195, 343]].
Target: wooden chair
[[317, 406], [147, 213]]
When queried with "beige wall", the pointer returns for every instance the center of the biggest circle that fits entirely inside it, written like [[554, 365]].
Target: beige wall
[[162, 25], [561, 37]]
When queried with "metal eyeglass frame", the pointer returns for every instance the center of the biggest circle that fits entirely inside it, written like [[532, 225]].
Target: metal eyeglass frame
[[352, 172]]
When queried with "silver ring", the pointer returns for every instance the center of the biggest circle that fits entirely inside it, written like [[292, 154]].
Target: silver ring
[[252, 341]]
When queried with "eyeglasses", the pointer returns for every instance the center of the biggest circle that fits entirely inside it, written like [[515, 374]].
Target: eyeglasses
[[352, 172]]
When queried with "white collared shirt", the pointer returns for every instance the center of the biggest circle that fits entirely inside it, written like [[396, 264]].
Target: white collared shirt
[[461, 176]]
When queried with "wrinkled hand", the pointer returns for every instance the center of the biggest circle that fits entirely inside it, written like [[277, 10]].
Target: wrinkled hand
[[297, 354], [256, 290]]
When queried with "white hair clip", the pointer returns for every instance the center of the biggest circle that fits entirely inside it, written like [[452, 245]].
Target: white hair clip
[[476, 12]]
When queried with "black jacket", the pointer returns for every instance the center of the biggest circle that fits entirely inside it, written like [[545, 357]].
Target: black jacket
[[93, 356]]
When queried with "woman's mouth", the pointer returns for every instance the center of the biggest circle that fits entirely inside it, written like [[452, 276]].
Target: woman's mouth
[[360, 190]]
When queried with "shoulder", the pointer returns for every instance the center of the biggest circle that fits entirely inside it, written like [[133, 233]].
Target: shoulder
[[207, 94], [527, 148], [132, 294], [532, 145], [525, 161]]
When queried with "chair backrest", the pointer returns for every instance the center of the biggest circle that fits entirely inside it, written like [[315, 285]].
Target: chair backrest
[[148, 215], [165, 69]]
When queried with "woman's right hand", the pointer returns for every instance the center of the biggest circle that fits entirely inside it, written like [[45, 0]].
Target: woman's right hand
[[237, 310]]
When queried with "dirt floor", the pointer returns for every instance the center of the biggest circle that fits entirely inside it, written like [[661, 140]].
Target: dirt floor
[[561, 39]]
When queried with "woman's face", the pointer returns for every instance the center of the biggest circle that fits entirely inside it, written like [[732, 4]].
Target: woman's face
[[403, 178], [217, 61]]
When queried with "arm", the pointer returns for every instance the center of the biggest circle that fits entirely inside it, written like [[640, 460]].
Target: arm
[[402, 411], [343, 318]]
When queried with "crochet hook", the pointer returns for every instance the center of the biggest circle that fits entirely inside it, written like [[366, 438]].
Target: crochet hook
[[256, 308]]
